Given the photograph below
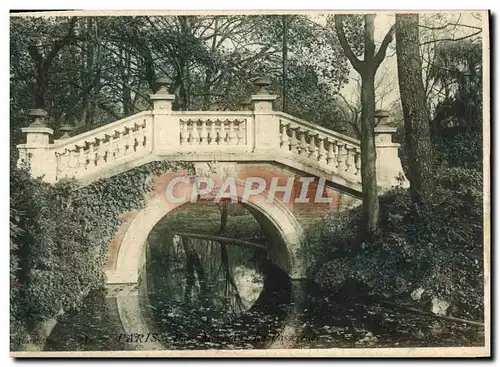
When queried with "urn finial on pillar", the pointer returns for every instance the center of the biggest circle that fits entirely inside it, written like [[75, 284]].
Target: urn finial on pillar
[[263, 82], [162, 85], [162, 99], [66, 129], [263, 100], [382, 117], [38, 115], [37, 133], [383, 132]]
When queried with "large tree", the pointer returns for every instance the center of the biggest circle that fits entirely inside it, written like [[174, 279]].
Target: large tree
[[367, 68], [89, 71], [415, 111]]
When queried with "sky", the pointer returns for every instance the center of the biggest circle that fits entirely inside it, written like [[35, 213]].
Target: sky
[[387, 74]]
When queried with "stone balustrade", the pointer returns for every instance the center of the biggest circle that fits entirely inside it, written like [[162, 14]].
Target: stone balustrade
[[259, 134], [323, 147], [115, 143], [217, 131]]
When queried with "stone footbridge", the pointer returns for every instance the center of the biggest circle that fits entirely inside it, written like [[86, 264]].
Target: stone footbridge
[[247, 143]]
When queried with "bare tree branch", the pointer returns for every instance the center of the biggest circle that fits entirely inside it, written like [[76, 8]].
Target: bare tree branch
[[339, 27], [380, 56], [452, 39], [449, 24]]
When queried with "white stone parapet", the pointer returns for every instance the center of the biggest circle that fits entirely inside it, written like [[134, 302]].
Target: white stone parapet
[[262, 135]]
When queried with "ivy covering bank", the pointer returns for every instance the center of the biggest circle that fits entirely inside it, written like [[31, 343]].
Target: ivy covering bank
[[59, 238]]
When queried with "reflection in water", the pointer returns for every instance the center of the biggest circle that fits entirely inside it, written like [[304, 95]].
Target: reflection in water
[[204, 295]]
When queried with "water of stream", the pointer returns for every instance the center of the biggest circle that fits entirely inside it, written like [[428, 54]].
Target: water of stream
[[322, 321], [234, 298]]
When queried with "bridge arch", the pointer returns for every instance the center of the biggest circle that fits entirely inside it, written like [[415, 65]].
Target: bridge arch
[[126, 254]]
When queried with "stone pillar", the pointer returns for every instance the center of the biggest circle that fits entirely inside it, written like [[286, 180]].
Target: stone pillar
[[267, 129], [35, 153], [389, 169], [166, 129]]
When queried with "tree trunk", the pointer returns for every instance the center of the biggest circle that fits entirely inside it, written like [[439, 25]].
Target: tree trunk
[[415, 111], [367, 69], [368, 151], [369, 156]]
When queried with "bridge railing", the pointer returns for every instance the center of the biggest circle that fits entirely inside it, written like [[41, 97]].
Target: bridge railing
[[326, 148], [116, 143], [258, 134], [206, 131]]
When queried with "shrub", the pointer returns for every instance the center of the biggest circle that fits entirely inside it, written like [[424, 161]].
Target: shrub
[[460, 148], [60, 234], [440, 251]]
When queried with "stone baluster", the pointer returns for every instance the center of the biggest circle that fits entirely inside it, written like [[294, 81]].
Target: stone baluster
[[303, 143], [212, 137], [204, 133], [130, 141], [341, 156], [82, 158], [313, 149], [121, 144], [139, 141], [184, 133], [73, 161], [113, 146], [101, 152], [294, 142], [322, 150], [65, 158], [241, 132], [330, 157], [285, 141], [109, 148], [350, 161], [62, 164], [231, 136], [222, 133], [91, 155], [141, 137], [59, 170], [69, 162], [194, 137], [358, 162]]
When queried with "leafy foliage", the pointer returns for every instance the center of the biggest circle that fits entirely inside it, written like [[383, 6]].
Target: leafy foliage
[[441, 251], [62, 236], [89, 71], [457, 71]]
